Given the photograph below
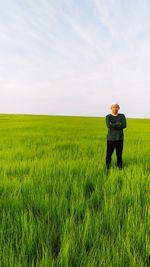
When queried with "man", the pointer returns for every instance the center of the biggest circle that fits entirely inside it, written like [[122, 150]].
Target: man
[[115, 122]]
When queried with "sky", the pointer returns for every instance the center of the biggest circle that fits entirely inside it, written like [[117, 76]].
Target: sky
[[73, 57]]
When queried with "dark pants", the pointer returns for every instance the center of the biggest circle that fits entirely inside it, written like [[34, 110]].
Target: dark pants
[[111, 145]]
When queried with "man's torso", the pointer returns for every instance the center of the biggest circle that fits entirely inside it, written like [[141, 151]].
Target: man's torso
[[115, 134]]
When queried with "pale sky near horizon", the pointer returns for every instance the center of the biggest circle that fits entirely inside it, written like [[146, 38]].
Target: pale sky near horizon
[[73, 57]]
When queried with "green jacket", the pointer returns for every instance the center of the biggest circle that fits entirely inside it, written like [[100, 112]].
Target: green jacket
[[115, 125]]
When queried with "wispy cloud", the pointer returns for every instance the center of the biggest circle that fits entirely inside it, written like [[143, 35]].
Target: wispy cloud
[[77, 54]]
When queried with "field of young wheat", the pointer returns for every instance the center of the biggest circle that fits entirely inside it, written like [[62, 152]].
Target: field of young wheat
[[59, 207]]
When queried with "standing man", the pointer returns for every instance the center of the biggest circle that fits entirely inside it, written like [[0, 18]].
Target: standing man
[[115, 122]]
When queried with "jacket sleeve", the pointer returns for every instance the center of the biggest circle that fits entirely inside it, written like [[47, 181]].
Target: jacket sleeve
[[118, 125], [123, 122], [112, 125]]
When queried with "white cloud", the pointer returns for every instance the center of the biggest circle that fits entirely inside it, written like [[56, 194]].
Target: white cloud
[[72, 58]]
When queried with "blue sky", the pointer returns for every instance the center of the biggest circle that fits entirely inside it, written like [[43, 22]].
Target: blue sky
[[71, 57]]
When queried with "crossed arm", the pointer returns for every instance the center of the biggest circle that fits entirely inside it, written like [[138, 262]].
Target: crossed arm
[[117, 125]]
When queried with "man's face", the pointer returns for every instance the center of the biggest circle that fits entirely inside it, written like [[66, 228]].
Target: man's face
[[115, 108]]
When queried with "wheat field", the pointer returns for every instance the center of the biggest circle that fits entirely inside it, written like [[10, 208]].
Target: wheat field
[[59, 206]]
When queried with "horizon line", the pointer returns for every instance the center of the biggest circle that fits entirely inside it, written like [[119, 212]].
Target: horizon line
[[65, 115]]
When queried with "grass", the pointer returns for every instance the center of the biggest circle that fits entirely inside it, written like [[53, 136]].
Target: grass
[[58, 207]]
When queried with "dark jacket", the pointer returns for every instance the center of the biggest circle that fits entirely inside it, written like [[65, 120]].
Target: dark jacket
[[115, 125]]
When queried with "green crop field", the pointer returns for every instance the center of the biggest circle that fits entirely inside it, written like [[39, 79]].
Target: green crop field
[[59, 207]]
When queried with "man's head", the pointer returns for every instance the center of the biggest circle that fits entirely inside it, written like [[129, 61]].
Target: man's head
[[115, 108]]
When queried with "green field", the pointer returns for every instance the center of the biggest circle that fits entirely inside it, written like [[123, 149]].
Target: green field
[[59, 207]]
